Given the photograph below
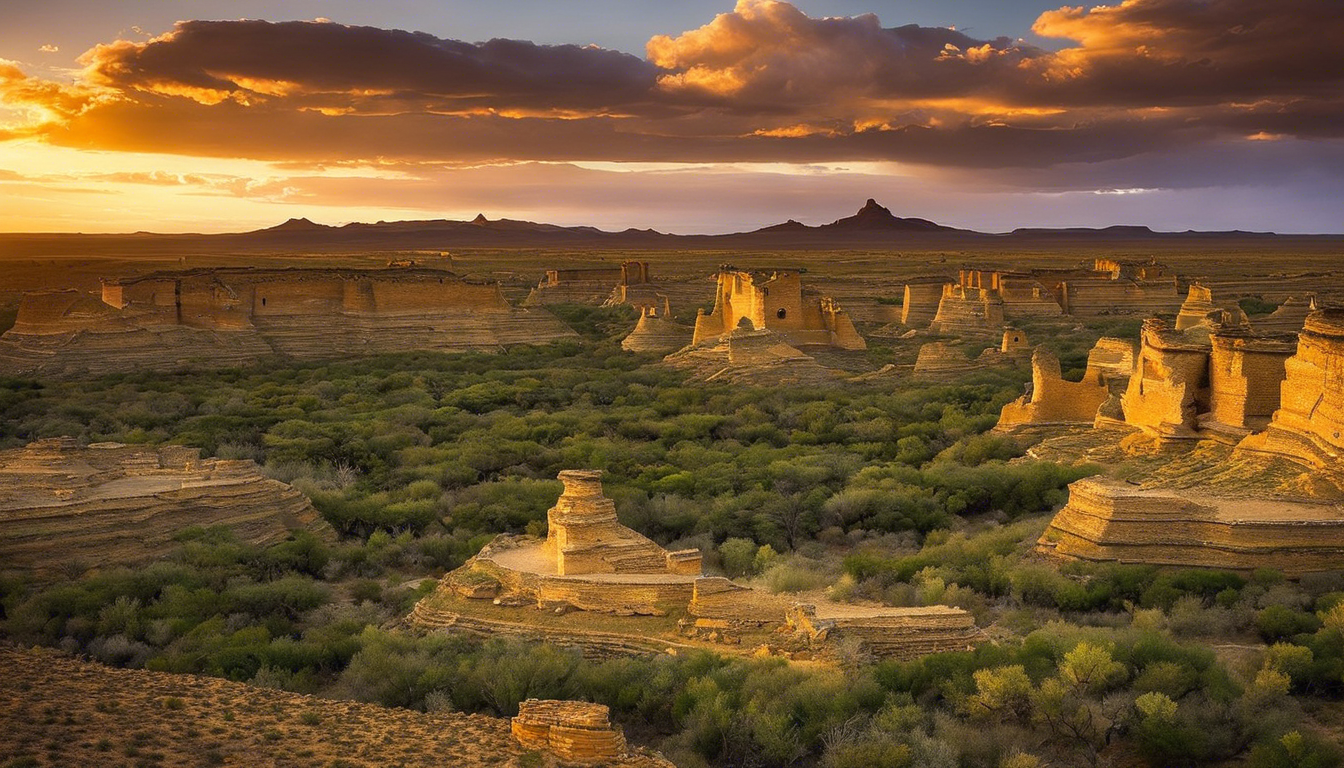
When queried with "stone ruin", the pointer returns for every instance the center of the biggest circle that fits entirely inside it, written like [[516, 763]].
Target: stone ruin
[[776, 300], [1114, 521], [112, 504], [656, 331], [227, 317], [589, 561]]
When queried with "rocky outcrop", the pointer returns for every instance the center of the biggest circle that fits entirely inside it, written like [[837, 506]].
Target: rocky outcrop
[[947, 361], [776, 300], [750, 357], [1110, 520], [1052, 400], [1309, 422], [920, 304], [589, 561], [1200, 308], [1289, 317], [110, 504], [888, 633], [656, 332], [592, 285], [573, 733], [228, 317]]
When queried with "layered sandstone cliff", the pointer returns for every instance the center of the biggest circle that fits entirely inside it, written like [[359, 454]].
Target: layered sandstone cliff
[[1309, 423], [218, 318], [110, 504], [574, 733], [1110, 520]]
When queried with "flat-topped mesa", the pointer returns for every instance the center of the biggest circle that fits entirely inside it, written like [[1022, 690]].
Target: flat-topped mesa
[[227, 317], [776, 300], [110, 504], [656, 332], [1309, 423], [587, 285], [572, 733], [1113, 521]]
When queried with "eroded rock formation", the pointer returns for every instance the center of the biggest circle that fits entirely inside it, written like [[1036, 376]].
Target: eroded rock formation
[[947, 361], [587, 285], [1309, 423], [920, 304], [573, 733], [590, 562], [110, 504], [656, 331], [762, 358], [1052, 400], [776, 300], [212, 318], [1111, 520]]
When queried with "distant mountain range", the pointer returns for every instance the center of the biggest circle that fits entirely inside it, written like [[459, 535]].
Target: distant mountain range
[[873, 226]]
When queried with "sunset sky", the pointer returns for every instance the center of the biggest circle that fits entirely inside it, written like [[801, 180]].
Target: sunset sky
[[226, 115]]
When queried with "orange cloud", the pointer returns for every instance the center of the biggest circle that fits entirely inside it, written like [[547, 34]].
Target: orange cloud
[[762, 83]]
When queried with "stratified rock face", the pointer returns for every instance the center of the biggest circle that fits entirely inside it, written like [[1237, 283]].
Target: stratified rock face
[[574, 733], [655, 332], [583, 535], [588, 561], [1290, 317], [1309, 424], [1170, 383], [218, 318], [759, 358], [1109, 520], [1120, 287], [112, 504], [920, 305], [1246, 373], [776, 300], [1201, 308], [591, 285]]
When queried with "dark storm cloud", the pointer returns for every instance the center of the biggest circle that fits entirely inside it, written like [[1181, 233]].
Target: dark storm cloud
[[366, 69]]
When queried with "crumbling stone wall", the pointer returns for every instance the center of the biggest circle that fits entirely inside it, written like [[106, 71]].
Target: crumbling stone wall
[[1053, 400], [1170, 385]]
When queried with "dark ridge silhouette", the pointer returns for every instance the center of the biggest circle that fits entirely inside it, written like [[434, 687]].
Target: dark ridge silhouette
[[872, 226]]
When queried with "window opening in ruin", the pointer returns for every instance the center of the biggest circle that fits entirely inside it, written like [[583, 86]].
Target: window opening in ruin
[[781, 313], [263, 301]]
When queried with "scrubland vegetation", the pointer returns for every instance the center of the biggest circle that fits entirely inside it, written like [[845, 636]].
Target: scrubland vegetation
[[872, 492]]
